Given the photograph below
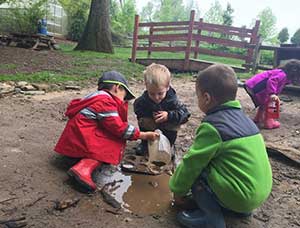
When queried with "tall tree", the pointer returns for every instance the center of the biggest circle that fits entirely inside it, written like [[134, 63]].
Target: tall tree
[[227, 15], [192, 5], [148, 12], [214, 13], [267, 28], [97, 32], [296, 37], [283, 35], [170, 10], [122, 16], [77, 13]]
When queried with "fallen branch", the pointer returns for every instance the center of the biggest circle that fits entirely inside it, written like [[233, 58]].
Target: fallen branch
[[6, 200], [114, 212], [34, 202], [10, 221]]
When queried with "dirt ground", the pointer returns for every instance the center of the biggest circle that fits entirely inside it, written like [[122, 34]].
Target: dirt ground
[[33, 177]]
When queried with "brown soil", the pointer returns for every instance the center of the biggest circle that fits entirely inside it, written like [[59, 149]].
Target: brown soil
[[30, 61], [33, 177]]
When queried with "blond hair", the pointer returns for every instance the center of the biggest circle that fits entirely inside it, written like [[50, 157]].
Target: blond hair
[[157, 75]]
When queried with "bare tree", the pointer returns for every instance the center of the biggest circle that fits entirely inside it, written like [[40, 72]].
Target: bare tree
[[97, 32]]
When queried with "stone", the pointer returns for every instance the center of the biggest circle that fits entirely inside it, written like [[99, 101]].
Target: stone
[[72, 87], [6, 88]]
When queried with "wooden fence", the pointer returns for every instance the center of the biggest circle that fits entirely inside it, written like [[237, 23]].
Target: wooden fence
[[187, 37]]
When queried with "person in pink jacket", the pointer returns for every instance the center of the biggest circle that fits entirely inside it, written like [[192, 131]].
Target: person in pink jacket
[[265, 87]]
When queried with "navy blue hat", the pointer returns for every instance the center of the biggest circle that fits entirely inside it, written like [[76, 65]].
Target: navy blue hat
[[115, 77]]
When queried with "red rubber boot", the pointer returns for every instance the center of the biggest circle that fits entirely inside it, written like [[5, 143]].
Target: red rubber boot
[[271, 124], [82, 172], [272, 113]]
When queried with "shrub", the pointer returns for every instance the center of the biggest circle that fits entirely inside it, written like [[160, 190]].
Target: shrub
[[77, 24], [23, 16], [266, 57]]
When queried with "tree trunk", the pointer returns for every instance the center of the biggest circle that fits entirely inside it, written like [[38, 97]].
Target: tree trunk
[[97, 33]]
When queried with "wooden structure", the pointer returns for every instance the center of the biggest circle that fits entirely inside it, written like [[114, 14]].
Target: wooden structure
[[190, 37], [284, 53], [33, 41], [280, 54]]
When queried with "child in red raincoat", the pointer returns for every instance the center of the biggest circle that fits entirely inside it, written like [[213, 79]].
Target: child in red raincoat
[[97, 128]]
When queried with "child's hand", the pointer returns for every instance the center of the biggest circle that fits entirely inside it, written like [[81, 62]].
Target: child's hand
[[160, 116], [274, 97], [149, 135]]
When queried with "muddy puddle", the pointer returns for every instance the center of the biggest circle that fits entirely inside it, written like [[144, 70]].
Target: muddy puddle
[[137, 193]]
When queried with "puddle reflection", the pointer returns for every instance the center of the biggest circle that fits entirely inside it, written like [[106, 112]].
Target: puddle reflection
[[137, 193]]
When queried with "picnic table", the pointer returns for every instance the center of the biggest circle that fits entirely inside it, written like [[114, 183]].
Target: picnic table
[[33, 41]]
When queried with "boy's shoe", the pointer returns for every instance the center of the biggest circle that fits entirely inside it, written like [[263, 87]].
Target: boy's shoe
[[141, 149], [82, 172], [193, 218], [234, 214], [197, 218]]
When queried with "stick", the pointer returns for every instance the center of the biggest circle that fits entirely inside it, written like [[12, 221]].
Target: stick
[[34, 202], [3, 201], [12, 220]]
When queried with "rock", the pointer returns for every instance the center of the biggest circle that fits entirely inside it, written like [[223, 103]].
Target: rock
[[154, 184], [36, 92], [54, 87], [28, 87], [43, 87], [72, 87], [6, 88], [21, 84]]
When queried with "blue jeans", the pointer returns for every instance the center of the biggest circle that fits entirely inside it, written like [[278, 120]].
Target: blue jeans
[[210, 206], [208, 203]]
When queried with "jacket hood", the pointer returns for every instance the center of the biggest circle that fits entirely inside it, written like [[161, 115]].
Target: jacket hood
[[77, 105]]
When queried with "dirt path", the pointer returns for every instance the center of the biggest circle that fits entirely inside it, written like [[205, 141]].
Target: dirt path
[[32, 177]]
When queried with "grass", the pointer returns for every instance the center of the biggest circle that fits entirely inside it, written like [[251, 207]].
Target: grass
[[88, 65], [9, 66], [43, 76]]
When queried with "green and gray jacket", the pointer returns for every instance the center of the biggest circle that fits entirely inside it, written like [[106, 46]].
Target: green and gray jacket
[[230, 148]]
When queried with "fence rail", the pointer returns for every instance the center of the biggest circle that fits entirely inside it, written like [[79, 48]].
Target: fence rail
[[189, 37]]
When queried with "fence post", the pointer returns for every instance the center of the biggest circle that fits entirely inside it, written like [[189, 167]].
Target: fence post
[[189, 41], [135, 38], [256, 55], [198, 41], [150, 41], [253, 40]]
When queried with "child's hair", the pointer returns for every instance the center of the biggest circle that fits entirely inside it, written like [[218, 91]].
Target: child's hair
[[107, 86], [292, 69], [219, 81], [157, 74]]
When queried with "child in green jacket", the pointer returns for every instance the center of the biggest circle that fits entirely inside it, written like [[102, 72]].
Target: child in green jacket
[[227, 167]]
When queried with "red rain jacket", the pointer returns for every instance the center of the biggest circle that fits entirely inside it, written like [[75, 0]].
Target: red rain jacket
[[97, 128]]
